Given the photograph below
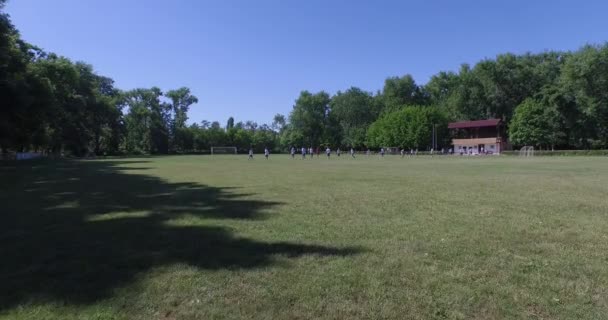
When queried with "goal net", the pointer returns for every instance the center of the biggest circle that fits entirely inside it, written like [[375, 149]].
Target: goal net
[[392, 150], [527, 151], [223, 150]]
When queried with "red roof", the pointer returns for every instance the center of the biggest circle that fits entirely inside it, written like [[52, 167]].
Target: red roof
[[474, 124]]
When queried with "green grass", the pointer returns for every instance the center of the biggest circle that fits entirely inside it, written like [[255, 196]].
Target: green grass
[[201, 237]]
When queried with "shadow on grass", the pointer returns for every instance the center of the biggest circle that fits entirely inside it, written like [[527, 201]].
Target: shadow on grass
[[61, 239]]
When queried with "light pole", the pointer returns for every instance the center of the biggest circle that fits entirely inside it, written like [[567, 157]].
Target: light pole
[[434, 136]]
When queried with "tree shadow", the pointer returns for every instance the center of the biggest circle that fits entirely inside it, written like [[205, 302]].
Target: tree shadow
[[61, 238]]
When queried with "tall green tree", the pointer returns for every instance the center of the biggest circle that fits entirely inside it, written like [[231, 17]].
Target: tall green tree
[[278, 122], [181, 100], [230, 123], [147, 121], [585, 76], [534, 124], [309, 118], [353, 111], [401, 91], [409, 127]]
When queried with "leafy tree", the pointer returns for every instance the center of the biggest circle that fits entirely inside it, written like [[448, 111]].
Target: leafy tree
[[181, 100], [216, 137], [534, 124], [265, 138], [443, 90], [147, 121], [354, 111], [71, 103], [410, 127], [278, 122], [399, 92], [243, 139], [585, 76], [205, 124], [250, 125], [308, 118], [230, 123]]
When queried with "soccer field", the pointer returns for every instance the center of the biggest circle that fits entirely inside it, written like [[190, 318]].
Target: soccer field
[[222, 237]]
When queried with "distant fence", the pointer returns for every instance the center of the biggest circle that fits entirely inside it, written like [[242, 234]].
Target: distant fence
[[27, 155], [561, 153], [20, 155]]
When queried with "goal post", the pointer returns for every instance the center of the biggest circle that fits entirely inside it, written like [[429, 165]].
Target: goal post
[[526, 151], [392, 150], [223, 150]]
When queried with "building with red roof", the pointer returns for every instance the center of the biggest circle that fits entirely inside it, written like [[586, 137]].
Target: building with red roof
[[479, 136]]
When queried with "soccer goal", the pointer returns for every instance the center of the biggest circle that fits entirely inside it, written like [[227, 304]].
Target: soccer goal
[[392, 150], [527, 151], [223, 150]]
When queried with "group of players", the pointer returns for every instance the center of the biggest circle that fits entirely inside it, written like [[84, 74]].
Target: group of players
[[311, 152]]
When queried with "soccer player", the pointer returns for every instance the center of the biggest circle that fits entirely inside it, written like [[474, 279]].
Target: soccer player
[[266, 153], [312, 153], [250, 154], [402, 153], [382, 152], [328, 152], [293, 152], [338, 152], [352, 152], [303, 153]]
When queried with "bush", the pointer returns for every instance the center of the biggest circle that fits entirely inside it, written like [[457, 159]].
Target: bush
[[561, 153]]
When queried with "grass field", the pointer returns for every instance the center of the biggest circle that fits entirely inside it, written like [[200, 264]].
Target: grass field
[[201, 237]]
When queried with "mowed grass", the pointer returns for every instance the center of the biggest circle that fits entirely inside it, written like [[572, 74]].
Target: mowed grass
[[221, 237]]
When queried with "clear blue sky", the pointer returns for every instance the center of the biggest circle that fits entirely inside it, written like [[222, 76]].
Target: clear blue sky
[[250, 59]]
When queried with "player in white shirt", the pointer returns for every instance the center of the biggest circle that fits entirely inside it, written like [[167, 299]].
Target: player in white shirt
[[328, 152], [382, 152], [303, 153], [293, 152], [352, 152], [338, 152], [250, 153], [311, 152], [266, 153]]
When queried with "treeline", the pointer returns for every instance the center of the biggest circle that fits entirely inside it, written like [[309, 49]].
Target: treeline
[[549, 100], [52, 104]]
